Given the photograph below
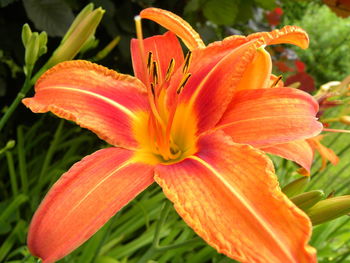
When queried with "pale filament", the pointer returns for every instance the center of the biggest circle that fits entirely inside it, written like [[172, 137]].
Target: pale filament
[[159, 129]]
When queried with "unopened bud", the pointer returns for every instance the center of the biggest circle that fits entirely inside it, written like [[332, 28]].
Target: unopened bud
[[345, 119], [329, 209], [296, 187], [26, 34], [10, 144], [78, 19], [78, 35], [306, 200], [42, 43], [32, 51]]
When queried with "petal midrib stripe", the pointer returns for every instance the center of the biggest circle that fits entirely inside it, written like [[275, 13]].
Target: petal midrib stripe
[[223, 126], [97, 96], [246, 203]]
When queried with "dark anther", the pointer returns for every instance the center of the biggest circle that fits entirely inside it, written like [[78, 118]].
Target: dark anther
[[149, 60], [155, 72], [183, 82], [187, 63], [170, 69]]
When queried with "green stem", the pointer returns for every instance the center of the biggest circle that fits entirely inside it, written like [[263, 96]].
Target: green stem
[[26, 87], [153, 250], [38, 74], [51, 150], [162, 217], [148, 255], [22, 160], [12, 173], [185, 243]]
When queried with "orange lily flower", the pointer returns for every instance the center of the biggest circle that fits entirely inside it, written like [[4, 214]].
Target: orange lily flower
[[191, 126]]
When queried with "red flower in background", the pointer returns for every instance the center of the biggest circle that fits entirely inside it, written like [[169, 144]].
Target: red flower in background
[[274, 17], [305, 80]]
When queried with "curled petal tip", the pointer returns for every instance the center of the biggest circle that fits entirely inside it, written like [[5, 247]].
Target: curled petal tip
[[286, 35], [175, 24]]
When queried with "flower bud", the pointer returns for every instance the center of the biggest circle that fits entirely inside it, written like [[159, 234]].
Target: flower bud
[[10, 144], [345, 119], [329, 209], [26, 34], [42, 43], [32, 52], [79, 18], [82, 29], [306, 200], [296, 187]]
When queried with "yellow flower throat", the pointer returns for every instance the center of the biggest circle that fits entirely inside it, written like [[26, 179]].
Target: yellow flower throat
[[170, 134]]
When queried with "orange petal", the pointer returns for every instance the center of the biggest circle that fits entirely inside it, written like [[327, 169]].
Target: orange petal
[[84, 199], [163, 48], [287, 35], [175, 24], [265, 117], [228, 193], [216, 71], [327, 154], [296, 151], [257, 75], [93, 96]]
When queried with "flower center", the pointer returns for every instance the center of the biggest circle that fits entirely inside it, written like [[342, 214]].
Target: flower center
[[161, 119], [166, 142]]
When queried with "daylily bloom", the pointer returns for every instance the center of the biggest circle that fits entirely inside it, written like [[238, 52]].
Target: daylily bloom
[[190, 124]]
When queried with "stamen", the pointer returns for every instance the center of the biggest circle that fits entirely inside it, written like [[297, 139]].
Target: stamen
[[155, 74], [149, 61], [276, 81], [187, 63], [153, 91], [151, 130], [183, 82], [170, 69]]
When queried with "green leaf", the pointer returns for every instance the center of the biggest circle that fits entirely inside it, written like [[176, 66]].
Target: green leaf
[[192, 6], [221, 12], [266, 4], [52, 16], [106, 259], [245, 11], [4, 3]]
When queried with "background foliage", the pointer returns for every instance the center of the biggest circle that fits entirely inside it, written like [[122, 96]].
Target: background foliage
[[36, 149]]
